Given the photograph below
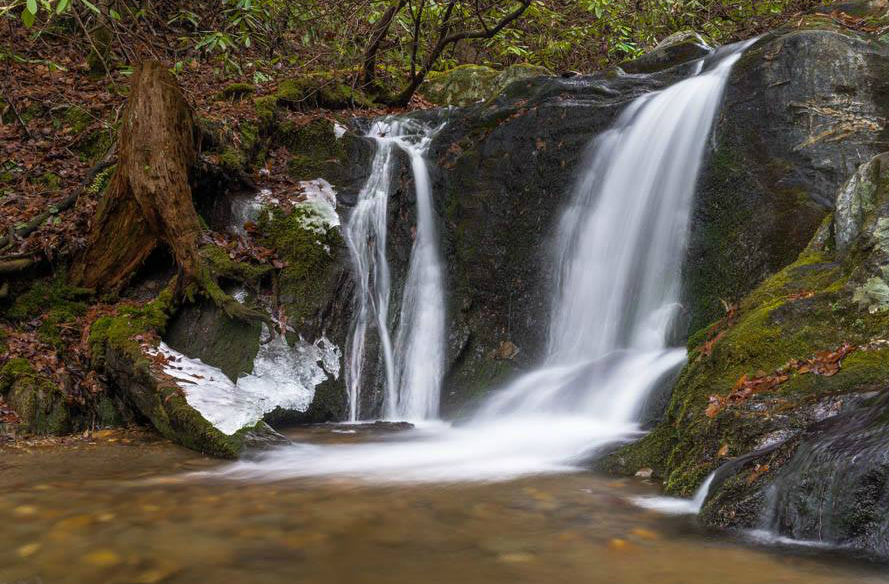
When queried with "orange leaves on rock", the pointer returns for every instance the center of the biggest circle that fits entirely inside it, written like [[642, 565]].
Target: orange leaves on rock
[[7, 414], [718, 329], [758, 471], [862, 24], [826, 363], [800, 295], [707, 348], [744, 388]]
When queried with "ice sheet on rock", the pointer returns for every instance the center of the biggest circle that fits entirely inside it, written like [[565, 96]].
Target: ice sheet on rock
[[339, 130], [283, 376], [320, 197]]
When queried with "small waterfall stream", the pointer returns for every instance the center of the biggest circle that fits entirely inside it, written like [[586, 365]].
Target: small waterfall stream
[[413, 368], [621, 242]]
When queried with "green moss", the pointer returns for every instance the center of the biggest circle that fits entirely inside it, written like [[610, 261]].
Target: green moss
[[50, 296], [13, 369], [251, 142], [266, 108], [222, 266], [310, 249], [315, 148], [93, 140], [118, 331], [9, 171], [232, 159], [93, 146], [322, 89], [805, 308], [35, 398], [236, 91], [77, 119], [171, 415], [50, 180], [769, 226], [463, 85]]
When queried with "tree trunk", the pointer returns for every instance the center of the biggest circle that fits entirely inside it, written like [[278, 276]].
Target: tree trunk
[[148, 201], [369, 67]]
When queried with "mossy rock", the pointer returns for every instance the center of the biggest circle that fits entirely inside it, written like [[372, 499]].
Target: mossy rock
[[463, 85], [320, 90], [236, 91], [517, 72], [266, 108], [205, 332], [40, 403], [468, 84], [222, 266], [116, 344], [312, 251], [53, 300], [315, 149], [676, 49]]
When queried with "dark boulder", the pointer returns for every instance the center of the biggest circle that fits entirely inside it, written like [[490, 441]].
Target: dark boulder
[[803, 108]]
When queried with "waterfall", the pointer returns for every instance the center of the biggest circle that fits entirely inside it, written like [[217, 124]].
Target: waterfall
[[419, 347], [619, 251], [620, 245], [413, 367], [673, 506]]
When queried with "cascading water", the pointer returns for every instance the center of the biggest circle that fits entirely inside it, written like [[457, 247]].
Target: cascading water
[[419, 345], [620, 247], [413, 368]]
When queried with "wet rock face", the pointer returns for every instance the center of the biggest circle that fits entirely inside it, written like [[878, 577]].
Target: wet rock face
[[677, 48], [802, 110], [203, 331], [503, 171], [836, 487]]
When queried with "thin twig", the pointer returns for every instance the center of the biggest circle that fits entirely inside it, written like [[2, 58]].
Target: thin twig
[[90, 40]]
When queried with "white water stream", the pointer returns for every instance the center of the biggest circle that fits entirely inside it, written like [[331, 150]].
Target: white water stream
[[621, 242], [413, 368]]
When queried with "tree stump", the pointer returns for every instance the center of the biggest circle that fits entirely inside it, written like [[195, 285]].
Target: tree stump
[[148, 201]]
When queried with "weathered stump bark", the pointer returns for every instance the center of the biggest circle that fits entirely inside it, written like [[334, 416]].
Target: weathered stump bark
[[148, 201]]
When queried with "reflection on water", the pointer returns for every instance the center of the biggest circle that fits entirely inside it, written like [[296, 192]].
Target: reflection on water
[[116, 512]]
